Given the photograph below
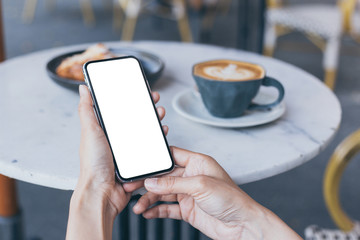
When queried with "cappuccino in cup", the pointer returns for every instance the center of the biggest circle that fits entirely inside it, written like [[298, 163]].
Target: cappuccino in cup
[[227, 87], [227, 70]]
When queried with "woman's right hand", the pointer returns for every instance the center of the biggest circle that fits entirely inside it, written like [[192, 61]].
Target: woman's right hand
[[209, 200]]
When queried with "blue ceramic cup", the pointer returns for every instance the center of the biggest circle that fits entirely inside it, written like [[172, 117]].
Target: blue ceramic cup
[[227, 87]]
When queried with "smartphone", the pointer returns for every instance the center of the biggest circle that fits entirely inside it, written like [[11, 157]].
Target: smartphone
[[127, 114]]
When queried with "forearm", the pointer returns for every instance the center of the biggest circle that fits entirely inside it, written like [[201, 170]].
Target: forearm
[[268, 225], [91, 216]]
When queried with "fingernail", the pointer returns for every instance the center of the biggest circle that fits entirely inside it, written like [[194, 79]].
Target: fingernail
[[81, 90], [135, 208], [151, 182]]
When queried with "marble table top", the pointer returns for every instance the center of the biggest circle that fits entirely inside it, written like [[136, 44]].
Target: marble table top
[[40, 129]]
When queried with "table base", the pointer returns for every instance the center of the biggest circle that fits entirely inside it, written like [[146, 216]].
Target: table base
[[11, 228]]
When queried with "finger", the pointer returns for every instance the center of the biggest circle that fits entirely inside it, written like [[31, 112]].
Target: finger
[[164, 211], [166, 129], [132, 186], [182, 156], [177, 172], [155, 96], [161, 112], [202, 164], [86, 112], [145, 201], [149, 199], [177, 185]]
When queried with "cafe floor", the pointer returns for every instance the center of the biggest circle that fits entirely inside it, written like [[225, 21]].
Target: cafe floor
[[296, 196]]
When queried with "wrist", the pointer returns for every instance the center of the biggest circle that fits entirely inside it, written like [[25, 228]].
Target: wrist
[[264, 224], [91, 214], [253, 221], [86, 196]]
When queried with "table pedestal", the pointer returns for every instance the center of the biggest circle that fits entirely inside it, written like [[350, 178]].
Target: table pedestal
[[10, 216]]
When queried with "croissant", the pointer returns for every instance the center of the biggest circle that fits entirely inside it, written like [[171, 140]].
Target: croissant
[[71, 67]]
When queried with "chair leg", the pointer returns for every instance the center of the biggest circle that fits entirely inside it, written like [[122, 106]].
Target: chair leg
[[330, 78], [184, 29], [88, 13], [183, 22], [8, 200], [29, 11], [330, 61], [270, 39], [128, 29], [269, 51], [117, 16], [10, 216], [132, 10]]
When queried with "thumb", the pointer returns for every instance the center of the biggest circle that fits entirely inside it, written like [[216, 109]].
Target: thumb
[[178, 185], [86, 112]]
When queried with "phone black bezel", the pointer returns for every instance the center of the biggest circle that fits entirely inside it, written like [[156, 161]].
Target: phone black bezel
[[97, 111]]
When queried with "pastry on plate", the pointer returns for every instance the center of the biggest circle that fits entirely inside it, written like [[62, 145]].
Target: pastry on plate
[[71, 67]]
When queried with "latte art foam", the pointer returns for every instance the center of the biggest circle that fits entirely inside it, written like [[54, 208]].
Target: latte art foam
[[230, 72]]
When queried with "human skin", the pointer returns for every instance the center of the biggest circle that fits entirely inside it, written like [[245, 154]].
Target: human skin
[[205, 196], [98, 197]]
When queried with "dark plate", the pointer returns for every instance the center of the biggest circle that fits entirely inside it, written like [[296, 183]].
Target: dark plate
[[153, 66]]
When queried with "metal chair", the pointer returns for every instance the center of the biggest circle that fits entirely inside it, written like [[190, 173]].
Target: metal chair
[[171, 9], [323, 24], [343, 154], [86, 8], [174, 9], [349, 229]]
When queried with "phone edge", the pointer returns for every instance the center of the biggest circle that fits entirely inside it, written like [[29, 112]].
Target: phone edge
[[99, 117]]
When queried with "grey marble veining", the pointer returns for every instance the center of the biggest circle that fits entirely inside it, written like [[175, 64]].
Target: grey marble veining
[[40, 134]]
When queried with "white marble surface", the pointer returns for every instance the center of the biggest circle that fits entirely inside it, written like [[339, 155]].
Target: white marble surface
[[40, 132]]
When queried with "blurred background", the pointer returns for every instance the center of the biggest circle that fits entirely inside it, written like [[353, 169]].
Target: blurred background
[[296, 196]]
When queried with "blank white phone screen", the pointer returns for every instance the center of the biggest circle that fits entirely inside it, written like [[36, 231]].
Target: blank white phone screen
[[129, 117]]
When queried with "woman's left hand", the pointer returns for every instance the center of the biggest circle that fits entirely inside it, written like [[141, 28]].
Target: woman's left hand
[[97, 185]]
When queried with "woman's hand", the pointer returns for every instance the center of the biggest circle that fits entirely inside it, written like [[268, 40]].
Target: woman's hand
[[96, 161], [209, 200], [98, 197]]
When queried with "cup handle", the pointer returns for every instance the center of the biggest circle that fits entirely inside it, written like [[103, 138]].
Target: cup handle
[[270, 82]]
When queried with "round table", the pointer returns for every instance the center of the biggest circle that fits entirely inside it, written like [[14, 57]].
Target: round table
[[40, 129]]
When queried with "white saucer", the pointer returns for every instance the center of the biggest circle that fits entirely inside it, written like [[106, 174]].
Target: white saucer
[[190, 105]]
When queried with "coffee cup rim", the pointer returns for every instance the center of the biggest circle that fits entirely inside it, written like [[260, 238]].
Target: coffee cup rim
[[209, 79]]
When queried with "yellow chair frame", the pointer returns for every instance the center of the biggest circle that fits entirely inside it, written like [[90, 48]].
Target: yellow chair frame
[[131, 20], [334, 170], [86, 8], [347, 7]]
